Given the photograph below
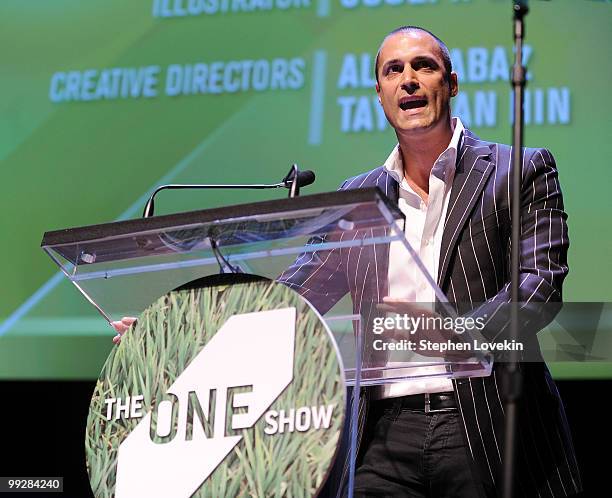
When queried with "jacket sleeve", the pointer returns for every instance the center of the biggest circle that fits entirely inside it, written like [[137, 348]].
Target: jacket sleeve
[[543, 254], [319, 274]]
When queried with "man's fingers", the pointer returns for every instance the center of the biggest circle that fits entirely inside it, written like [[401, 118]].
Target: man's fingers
[[388, 307], [396, 305], [122, 325], [119, 326], [391, 304]]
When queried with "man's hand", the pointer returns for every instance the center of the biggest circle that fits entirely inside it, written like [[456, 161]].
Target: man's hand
[[121, 327], [432, 334]]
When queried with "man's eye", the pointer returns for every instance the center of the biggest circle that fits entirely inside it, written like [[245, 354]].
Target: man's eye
[[394, 68], [424, 65]]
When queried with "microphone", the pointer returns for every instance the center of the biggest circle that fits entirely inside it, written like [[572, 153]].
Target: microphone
[[305, 178], [296, 179], [293, 181]]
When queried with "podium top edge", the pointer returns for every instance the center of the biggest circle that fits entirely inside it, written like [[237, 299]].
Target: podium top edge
[[118, 228]]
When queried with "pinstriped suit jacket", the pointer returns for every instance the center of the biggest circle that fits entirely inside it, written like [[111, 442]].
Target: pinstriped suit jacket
[[475, 274]]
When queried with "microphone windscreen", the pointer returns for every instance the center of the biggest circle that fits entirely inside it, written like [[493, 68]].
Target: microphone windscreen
[[305, 178]]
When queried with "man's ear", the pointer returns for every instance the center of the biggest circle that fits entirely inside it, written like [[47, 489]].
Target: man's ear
[[378, 93], [453, 84]]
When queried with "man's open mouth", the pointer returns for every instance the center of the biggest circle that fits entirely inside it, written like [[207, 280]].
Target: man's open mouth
[[412, 104]]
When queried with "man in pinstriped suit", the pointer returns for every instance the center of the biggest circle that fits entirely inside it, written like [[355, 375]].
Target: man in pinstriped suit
[[455, 192]]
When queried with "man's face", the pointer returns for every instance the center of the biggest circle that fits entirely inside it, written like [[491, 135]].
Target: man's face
[[412, 86]]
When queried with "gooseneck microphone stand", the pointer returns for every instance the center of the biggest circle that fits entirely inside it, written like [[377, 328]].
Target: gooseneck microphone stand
[[512, 375], [293, 181]]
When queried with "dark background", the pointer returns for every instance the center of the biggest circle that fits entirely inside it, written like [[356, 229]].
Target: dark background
[[42, 426]]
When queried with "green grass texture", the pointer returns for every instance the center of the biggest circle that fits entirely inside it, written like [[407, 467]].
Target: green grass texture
[[168, 336]]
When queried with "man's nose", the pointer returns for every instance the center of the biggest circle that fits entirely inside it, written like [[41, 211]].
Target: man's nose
[[410, 82]]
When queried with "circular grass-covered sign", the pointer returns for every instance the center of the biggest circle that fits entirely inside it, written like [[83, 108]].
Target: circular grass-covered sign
[[218, 391]]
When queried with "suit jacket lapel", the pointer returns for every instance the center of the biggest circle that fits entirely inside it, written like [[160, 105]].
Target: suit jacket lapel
[[472, 171], [390, 187]]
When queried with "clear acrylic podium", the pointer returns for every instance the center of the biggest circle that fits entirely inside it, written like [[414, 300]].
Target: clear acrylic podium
[[122, 267]]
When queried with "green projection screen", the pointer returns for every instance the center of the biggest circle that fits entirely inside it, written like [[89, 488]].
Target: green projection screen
[[101, 101]]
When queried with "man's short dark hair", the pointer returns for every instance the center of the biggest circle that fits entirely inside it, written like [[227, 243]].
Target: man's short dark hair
[[445, 54]]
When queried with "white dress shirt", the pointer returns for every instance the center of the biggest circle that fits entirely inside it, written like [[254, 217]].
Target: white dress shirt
[[423, 230]]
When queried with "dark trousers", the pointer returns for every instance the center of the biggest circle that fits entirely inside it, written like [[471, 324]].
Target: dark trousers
[[415, 454]]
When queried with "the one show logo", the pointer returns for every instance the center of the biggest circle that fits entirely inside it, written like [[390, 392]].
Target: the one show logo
[[227, 387]]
